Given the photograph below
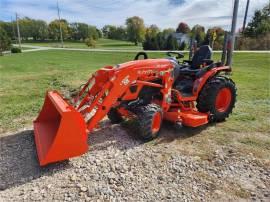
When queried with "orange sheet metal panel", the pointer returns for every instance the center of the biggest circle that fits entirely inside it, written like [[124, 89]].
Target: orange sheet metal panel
[[194, 118], [60, 131]]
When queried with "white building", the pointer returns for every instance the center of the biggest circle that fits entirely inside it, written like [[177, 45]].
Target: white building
[[181, 37]]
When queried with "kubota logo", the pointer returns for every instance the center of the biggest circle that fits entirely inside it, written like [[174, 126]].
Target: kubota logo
[[148, 72]]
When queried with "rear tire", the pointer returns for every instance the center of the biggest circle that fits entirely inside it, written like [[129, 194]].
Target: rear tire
[[149, 121], [114, 116], [218, 97]]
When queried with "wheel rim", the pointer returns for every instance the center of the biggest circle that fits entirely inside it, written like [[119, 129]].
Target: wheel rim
[[156, 122], [223, 99]]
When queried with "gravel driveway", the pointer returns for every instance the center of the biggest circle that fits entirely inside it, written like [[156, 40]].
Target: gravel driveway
[[120, 167]]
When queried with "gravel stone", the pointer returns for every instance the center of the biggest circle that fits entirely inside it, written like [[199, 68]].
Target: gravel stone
[[120, 167]]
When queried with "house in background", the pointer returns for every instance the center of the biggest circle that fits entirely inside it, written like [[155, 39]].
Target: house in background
[[181, 37]]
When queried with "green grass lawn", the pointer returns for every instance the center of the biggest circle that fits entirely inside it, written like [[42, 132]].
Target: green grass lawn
[[25, 78], [101, 43]]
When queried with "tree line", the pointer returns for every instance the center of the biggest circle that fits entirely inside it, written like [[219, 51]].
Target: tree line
[[152, 37], [255, 36], [167, 40], [39, 30]]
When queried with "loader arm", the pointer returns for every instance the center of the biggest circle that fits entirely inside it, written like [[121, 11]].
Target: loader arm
[[108, 85]]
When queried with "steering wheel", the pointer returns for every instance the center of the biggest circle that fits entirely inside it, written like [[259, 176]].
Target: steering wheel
[[145, 56], [178, 54]]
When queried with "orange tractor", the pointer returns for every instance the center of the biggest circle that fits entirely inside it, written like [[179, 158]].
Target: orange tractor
[[189, 93]]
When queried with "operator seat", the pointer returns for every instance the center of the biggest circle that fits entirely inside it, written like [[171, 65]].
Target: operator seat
[[186, 73], [201, 56]]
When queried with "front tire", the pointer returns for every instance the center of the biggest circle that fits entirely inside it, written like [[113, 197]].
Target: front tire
[[218, 97], [149, 121], [114, 116]]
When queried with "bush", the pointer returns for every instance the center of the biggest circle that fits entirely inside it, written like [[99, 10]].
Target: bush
[[248, 43], [150, 43], [16, 50], [161, 42], [90, 42]]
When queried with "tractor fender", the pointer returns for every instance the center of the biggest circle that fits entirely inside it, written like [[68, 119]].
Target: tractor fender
[[200, 82]]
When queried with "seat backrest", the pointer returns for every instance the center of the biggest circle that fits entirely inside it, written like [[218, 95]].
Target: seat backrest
[[204, 52]]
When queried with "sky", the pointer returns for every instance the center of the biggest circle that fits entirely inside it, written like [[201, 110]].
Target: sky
[[164, 13]]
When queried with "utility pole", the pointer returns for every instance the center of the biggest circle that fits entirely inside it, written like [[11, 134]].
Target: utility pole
[[60, 28], [245, 18], [13, 29], [224, 50], [191, 46], [18, 31], [232, 34]]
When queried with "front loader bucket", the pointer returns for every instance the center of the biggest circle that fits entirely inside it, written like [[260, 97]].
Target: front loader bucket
[[60, 131]]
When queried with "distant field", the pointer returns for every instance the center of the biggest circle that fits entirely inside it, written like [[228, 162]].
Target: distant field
[[101, 43], [26, 77]]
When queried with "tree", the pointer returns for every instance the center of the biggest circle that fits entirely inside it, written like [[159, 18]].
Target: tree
[[167, 32], [260, 23], [198, 32], [8, 27], [120, 33], [106, 30], [82, 31], [39, 30], [29, 28], [92, 32], [152, 31], [99, 33], [182, 46], [5, 41], [183, 28], [54, 30], [171, 43], [150, 42], [78, 31], [164, 40], [135, 29], [26, 28], [161, 40], [109, 31], [219, 37], [113, 32], [90, 42]]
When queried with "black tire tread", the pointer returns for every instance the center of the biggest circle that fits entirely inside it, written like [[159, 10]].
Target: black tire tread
[[145, 116], [114, 116], [207, 96]]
